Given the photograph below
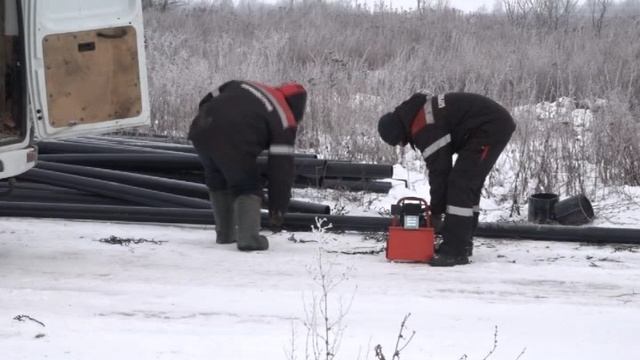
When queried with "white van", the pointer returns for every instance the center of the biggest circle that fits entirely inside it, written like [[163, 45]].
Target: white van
[[68, 68]]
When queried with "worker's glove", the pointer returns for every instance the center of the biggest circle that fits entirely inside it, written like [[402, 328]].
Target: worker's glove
[[437, 222], [276, 218]]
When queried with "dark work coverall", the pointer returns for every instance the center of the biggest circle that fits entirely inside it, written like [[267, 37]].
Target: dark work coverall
[[475, 128], [230, 131]]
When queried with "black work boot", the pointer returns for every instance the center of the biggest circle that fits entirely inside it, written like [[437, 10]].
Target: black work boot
[[246, 215], [441, 260], [469, 244], [450, 254], [222, 204], [468, 247]]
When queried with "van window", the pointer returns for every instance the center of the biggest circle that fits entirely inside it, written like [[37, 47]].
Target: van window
[[12, 126]]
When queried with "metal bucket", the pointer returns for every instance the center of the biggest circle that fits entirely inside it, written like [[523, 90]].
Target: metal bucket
[[541, 207], [576, 210]]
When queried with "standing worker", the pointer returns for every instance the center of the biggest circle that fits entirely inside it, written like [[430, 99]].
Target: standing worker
[[231, 129], [470, 125]]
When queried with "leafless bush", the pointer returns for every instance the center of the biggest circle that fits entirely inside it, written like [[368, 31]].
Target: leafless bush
[[402, 341], [324, 324]]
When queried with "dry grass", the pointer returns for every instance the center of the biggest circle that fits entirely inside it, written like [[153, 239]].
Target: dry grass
[[359, 64]]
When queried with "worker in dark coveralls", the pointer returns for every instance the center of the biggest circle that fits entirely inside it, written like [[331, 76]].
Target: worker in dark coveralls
[[472, 126], [233, 127]]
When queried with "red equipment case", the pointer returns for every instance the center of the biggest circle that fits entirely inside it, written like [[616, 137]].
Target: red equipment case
[[411, 237]]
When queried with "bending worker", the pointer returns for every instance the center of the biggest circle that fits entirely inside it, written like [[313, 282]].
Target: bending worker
[[472, 126], [232, 128]]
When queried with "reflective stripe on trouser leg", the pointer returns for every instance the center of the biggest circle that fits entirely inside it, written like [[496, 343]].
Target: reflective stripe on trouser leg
[[279, 149], [460, 211]]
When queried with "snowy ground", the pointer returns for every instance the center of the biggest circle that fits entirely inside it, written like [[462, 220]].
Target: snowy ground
[[188, 298], [181, 296]]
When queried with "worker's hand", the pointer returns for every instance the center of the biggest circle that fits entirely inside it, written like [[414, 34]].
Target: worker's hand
[[437, 222], [276, 218]]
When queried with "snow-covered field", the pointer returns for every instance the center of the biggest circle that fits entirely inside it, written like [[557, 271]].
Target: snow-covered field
[[181, 296]]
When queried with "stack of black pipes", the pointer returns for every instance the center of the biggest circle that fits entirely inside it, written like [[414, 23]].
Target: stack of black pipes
[[138, 180], [133, 179]]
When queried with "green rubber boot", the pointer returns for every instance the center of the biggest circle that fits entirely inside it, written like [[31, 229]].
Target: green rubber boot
[[246, 212], [222, 204]]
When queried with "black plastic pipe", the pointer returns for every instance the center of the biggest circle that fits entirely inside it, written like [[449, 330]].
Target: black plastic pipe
[[63, 147], [78, 146], [162, 184], [75, 197], [177, 187], [293, 222], [114, 190], [304, 222], [116, 161], [163, 162], [133, 147], [29, 185], [151, 144], [357, 185], [347, 169], [560, 233], [175, 161]]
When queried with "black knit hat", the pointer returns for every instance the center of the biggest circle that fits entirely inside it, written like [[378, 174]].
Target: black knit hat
[[391, 130], [296, 97]]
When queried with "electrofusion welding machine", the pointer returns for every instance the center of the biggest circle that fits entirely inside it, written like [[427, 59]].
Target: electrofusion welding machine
[[411, 236]]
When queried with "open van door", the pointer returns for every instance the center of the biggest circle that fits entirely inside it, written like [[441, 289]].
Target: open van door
[[86, 66]]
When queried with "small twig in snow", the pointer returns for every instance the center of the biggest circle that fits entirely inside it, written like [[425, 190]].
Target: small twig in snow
[[27, 317], [115, 240], [379, 353], [495, 343], [357, 252], [634, 293], [292, 238], [521, 353]]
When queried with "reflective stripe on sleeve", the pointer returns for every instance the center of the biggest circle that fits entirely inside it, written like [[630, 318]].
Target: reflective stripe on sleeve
[[428, 112], [259, 95], [281, 113], [437, 145], [280, 149], [441, 102], [476, 208], [460, 211]]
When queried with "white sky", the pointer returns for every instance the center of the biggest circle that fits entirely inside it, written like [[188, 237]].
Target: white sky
[[466, 5]]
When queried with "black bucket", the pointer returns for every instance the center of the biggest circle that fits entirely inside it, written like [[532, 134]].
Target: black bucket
[[575, 210], [541, 207]]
